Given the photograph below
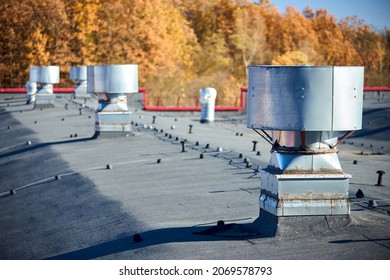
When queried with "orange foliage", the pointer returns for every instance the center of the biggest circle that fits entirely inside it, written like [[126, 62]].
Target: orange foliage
[[182, 45]]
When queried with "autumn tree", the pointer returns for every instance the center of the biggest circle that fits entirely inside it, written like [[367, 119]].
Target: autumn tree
[[370, 46], [334, 48], [83, 17], [249, 38], [155, 35], [182, 45], [34, 33], [291, 58]]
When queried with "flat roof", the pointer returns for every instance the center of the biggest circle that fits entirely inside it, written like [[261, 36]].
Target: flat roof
[[67, 195]]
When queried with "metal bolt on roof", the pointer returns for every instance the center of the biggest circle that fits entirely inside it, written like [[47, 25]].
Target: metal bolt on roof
[[254, 145], [380, 177], [108, 166], [355, 162], [183, 148]]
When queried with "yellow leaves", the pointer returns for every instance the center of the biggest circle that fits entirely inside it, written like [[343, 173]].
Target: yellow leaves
[[182, 45], [37, 43], [291, 58]]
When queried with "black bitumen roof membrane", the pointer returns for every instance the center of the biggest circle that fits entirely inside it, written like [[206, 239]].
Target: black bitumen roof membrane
[[65, 194]]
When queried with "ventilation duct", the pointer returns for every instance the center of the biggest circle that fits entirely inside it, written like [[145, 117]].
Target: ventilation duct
[[112, 84], [44, 77], [302, 111], [79, 75]]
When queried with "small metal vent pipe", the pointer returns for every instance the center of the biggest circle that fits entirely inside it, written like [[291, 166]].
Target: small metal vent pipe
[[31, 88], [207, 101]]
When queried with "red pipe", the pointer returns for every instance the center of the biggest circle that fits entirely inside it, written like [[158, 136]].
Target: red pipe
[[23, 90], [376, 89], [63, 90]]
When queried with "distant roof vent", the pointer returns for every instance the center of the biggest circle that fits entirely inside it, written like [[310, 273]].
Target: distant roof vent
[[46, 76], [207, 101], [79, 74], [112, 83]]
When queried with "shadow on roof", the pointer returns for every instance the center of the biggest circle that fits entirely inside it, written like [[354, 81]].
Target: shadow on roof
[[47, 144], [160, 236]]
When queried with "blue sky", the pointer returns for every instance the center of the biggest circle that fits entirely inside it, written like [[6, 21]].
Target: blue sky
[[374, 12]]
